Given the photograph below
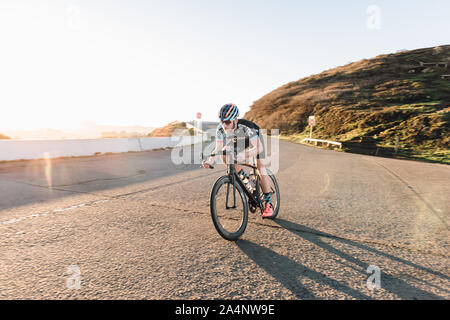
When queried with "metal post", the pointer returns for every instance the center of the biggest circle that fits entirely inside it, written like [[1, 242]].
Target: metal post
[[199, 126]]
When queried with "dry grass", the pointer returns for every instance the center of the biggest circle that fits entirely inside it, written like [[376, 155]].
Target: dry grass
[[384, 97]]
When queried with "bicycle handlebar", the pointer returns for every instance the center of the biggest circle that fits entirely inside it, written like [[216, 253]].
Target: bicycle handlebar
[[225, 152], [219, 153]]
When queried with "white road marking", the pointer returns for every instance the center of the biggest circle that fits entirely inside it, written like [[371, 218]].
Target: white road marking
[[43, 214]]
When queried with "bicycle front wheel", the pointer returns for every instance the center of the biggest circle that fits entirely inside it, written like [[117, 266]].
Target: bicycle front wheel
[[229, 210]]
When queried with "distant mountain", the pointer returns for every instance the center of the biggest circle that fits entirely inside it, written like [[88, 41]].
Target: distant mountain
[[167, 130], [39, 134], [92, 129], [85, 130], [404, 95], [4, 137], [122, 134]]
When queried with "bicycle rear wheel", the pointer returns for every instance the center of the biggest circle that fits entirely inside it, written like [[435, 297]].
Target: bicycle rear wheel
[[229, 210]]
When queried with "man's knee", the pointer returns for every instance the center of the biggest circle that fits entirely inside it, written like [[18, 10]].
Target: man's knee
[[261, 166]]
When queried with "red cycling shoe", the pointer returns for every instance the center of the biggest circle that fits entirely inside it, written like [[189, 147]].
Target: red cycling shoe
[[268, 211]]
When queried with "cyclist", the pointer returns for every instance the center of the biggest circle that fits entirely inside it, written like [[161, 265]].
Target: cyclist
[[232, 129]]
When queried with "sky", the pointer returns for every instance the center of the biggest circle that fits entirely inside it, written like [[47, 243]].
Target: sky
[[152, 62]]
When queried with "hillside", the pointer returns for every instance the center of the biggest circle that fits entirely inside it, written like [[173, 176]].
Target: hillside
[[167, 130], [372, 101], [2, 136]]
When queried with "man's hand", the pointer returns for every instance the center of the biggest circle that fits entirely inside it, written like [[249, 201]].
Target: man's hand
[[207, 164]]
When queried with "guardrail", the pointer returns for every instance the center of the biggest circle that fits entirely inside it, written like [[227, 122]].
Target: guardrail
[[39, 149], [434, 64], [327, 142]]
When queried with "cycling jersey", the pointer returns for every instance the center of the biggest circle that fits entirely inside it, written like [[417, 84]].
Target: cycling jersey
[[245, 130]]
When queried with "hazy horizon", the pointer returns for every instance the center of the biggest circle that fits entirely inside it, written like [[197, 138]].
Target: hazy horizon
[[147, 63], [82, 130]]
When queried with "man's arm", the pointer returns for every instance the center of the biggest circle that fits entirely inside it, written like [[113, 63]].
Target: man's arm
[[219, 147], [211, 160], [253, 151]]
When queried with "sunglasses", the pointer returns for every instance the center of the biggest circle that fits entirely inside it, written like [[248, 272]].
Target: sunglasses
[[227, 122]]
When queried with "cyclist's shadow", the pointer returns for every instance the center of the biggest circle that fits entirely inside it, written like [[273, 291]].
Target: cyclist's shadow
[[287, 271], [392, 284]]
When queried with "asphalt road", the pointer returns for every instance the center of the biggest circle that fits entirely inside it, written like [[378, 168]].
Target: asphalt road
[[137, 226]]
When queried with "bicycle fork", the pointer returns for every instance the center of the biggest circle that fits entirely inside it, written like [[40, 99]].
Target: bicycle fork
[[234, 194]]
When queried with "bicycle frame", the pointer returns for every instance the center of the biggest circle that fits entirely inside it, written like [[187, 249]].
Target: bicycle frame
[[255, 198]]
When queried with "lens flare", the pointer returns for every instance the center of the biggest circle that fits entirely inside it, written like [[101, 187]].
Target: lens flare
[[48, 168], [326, 184]]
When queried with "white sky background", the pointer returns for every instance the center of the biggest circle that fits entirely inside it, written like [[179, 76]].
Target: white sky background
[[151, 62]]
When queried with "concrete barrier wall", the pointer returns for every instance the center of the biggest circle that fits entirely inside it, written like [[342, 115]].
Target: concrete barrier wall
[[38, 149]]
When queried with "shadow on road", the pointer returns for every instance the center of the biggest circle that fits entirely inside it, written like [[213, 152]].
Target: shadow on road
[[388, 282], [288, 272]]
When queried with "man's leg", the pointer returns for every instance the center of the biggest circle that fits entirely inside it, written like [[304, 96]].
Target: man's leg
[[237, 167], [265, 179], [265, 186], [265, 182]]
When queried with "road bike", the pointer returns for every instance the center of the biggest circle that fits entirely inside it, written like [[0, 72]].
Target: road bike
[[229, 212]]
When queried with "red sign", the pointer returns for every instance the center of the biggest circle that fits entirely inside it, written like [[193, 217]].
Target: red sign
[[199, 115], [312, 121]]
